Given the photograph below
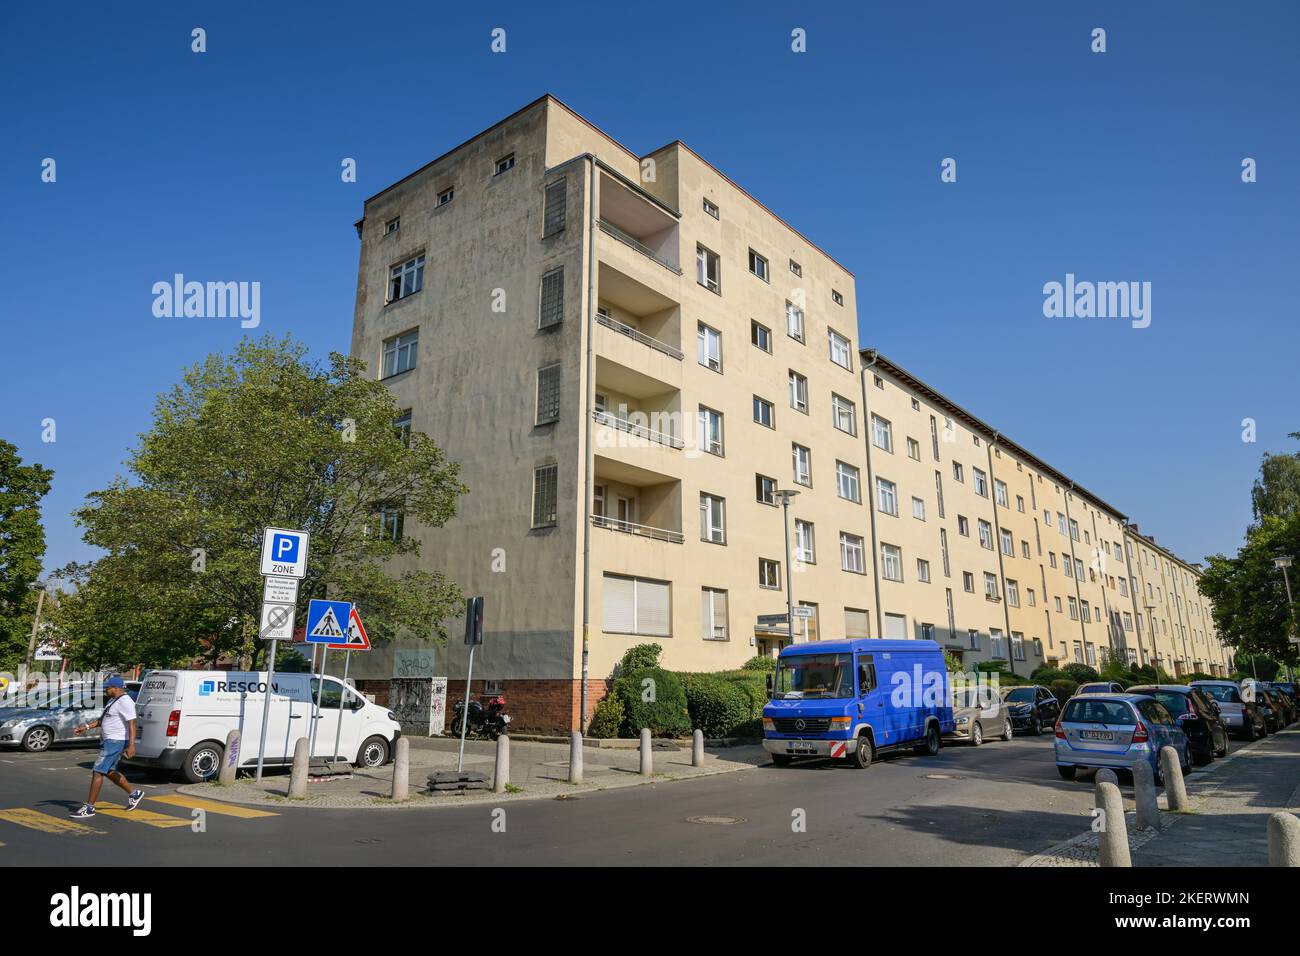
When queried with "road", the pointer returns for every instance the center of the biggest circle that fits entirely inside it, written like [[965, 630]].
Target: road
[[965, 807]]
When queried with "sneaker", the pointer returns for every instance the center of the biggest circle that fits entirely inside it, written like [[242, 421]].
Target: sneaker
[[134, 799], [83, 811]]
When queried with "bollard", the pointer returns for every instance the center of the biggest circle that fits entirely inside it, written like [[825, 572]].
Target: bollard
[[298, 777], [1283, 840], [1172, 771], [647, 761], [1144, 793], [1106, 775], [1113, 837], [230, 762], [501, 775], [402, 770], [697, 749], [575, 757]]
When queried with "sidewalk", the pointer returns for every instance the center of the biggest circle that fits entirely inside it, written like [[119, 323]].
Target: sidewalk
[[1228, 823], [538, 770]]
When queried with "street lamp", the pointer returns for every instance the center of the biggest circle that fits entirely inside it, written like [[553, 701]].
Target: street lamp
[[1284, 563], [785, 495]]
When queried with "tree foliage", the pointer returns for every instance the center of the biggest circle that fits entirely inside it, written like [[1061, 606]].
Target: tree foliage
[[22, 548], [260, 438]]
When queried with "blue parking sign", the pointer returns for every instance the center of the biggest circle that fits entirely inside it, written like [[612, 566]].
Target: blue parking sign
[[284, 553], [284, 547]]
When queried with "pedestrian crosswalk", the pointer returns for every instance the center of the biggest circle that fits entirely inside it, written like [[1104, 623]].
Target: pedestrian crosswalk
[[55, 821]]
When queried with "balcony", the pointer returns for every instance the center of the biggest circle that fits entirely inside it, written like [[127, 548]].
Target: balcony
[[636, 335], [639, 222], [637, 430], [643, 530], [635, 501]]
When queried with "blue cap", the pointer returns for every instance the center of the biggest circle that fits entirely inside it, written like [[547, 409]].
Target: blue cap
[[114, 682]]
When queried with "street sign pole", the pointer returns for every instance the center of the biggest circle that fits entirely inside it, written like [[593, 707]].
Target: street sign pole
[[473, 637], [266, 708], [320, 688], [338, 729], [283, 565], [464, 713]]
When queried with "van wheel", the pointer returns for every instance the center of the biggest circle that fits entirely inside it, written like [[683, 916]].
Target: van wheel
[[203, 762], [976, 735], [1067, 773], [930, 746], [781, 760], [1008, 731], [38, 740], [861, 758], [373, 753]]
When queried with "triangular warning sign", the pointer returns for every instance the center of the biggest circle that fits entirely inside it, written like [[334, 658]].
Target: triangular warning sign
[[358, 639], [327, 626]]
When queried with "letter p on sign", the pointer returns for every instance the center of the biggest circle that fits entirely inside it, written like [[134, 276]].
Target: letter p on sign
[[285, 548]]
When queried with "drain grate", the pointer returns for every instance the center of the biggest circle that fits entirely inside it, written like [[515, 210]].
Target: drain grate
[[716, 821]]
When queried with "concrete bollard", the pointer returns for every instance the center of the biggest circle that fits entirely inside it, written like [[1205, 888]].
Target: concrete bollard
[[575, 757], [1175, 787], [501, 775], [1144, 793], [697, 749], [647, 761], [1113, 836], [298, 777], [1283, 840], [230, 762], [1106, 775], [402, 770]]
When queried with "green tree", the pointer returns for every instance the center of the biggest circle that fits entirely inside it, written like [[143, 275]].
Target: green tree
[[261, 438], [22, 548], [1276, 492], [1249, 593]]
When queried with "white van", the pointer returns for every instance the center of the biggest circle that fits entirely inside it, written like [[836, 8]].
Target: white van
[[184, 717]]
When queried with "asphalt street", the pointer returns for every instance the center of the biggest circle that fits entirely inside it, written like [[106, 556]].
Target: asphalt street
[[965, 807]]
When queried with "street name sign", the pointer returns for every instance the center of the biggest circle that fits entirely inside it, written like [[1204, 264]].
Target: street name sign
[[284, 552], [771, 620], [804, 612]]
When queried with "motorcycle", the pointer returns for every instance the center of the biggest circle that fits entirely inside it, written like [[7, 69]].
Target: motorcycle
[[489, 721]]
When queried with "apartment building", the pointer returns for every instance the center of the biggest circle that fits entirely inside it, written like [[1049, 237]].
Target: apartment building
[[1172, 620], [630, 357]]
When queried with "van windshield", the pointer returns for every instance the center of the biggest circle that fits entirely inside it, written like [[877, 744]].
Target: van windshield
[[814, 676]]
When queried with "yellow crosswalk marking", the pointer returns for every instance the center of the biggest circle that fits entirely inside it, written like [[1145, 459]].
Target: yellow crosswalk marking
[[211, 806], [139, 816], [35, 820]]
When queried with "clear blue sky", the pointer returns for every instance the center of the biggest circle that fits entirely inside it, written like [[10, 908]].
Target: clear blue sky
[[1118, 166]]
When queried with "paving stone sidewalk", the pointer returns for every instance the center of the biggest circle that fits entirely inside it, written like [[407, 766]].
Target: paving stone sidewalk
[[538, 770], [1228, 823]]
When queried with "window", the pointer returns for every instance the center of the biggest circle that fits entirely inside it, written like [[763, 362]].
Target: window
[[391, 520], [836, 297], [794, 321], [710, 430], [913, 449], [852, 554], [1058, 604], [1013, 593], [990, 586], [943, 552], [712, 209], [1024, 549], [857, 623], [963, 526], [406, 278], [846, 482], [916, 406], [1018, 645], [448, 194], [769, 574], [798, 392], [765, 489], [974, 637], [505, 164], [1008, 543], [938, 490], [392, 225], [841, 350], [1074, 608], [1038, 647], [887, 497], [545, 495], [708, 269], [1029, 597], [957, 473], [802, 458], [400, 353], [764, 412], [709, 347], [882, 433], [1078, 568], [918, 509], [1020, 504], [796, 268], [1074, 529], [760, 335], [758, 265], [1051, 558], [844, 414], [986, 534], [1087, 612], [548, 394], [402, 425], [923, 570], [712, 519], [551, 311], [968, 582], [637, 606], [805, 543], [714, 617], [891, 562], [878, 382], [1000, 493], [554, 209], [980, 483]]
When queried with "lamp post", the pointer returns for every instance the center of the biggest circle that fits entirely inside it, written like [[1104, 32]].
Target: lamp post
[[785, 495], [1284, 563]]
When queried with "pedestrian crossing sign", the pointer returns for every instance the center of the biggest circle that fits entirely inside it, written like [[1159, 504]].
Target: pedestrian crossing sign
[[326, 621], [358, 639]]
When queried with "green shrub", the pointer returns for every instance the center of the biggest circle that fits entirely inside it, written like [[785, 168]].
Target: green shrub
[[1046, 674], [761, 663], [607, 721], [750, 730], [1081, 673], [666, 715], [640, 656], [1063, 689], [716, 706], [754, 686]]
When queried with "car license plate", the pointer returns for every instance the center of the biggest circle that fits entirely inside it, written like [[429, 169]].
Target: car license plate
[[799, 745], [1096, 735]]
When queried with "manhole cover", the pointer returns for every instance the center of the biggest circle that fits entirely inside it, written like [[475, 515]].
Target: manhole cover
[[716, 821]]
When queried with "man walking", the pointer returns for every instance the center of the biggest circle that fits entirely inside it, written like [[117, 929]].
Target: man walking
[[117, 736]]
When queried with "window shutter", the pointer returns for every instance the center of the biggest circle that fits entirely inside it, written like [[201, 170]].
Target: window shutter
[[652, 608], [856, 624], [619, 605]]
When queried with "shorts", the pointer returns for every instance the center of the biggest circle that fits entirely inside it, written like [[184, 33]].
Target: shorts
[[110, 752]]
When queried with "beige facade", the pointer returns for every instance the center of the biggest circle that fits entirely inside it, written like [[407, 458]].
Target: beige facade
[[628, 355]]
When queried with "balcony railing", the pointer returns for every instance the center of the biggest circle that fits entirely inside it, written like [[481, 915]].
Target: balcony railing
[[638, 336], [640, 431], [636, 244], [641, 530]]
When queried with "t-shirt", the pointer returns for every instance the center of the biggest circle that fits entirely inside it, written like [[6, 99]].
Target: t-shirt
[[117, 712]]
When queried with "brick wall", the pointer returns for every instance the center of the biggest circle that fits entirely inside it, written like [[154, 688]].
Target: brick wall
[[535, 706]]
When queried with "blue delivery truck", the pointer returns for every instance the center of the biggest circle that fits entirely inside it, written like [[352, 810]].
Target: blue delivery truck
[[852, 700]]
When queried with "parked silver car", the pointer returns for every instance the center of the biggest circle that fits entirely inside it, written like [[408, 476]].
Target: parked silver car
[[38, 719], [1239, 716], [978, 717]]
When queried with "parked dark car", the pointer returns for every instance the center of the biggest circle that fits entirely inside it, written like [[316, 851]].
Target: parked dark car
[[1286, 699], [1197, 713], [1282, 706], [1031, 707], [1100, 687], [1266, 703], [1288, 687], [1242, 717]]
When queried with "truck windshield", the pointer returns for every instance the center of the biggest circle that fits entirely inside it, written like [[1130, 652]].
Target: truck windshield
[[808, 676]]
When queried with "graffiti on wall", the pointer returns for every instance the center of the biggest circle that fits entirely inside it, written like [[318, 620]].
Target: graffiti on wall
[[420, 704]]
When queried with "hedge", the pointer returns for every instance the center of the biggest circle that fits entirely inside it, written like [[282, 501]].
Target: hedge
[[1063, 689], [607, 721], [717, 706], [666, 715]]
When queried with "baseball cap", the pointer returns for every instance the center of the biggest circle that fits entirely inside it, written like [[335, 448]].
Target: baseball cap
[[114, 681]]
